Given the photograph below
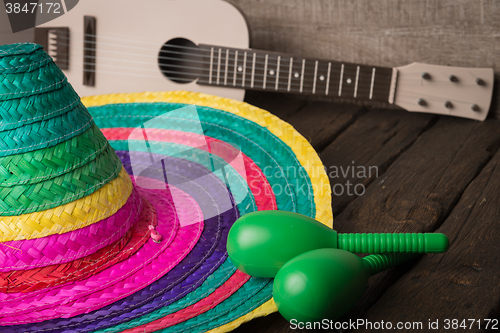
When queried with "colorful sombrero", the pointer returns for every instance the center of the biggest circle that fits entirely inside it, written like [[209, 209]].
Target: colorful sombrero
[[117, 222]]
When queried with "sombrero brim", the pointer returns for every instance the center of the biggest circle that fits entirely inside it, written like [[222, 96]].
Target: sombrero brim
[[126, 245], [61, 248], [211, 235], [234, 297]]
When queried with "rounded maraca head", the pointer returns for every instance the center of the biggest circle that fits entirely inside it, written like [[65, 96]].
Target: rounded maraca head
[[259, 243], [319, 284]]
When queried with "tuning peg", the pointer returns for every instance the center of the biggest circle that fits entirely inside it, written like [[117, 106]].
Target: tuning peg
[[259, 243], [326, 283]]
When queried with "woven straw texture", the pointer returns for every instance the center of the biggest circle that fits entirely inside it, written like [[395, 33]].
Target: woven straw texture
[[62, 248], [260, 284], [300, 146], [43, 164], [252, 138], [124, 247], [46, 133], [305, 153], [149, 263], [205, 305], [257, 182], [22, 111], [19, 63], [22, 57], [50, 193], [71, 216], [209, 252], [40, 79], [264, 200]]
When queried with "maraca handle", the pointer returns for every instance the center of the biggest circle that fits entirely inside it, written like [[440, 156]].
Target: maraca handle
[[393, 243], [377, 263]]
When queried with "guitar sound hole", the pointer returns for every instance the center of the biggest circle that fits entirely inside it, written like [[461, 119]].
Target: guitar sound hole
[[180, 60]]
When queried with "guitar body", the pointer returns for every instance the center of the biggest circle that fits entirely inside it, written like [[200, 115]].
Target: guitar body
[[130, 34]]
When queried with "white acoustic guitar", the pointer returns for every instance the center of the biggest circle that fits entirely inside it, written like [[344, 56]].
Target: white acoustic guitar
[[112, 46]]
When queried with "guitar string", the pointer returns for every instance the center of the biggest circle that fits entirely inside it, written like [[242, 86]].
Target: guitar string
[[363, 84], [249, 66], [198, 52], [306, 81], [306, 86], [400, 92], [257, 79], [215, 47]]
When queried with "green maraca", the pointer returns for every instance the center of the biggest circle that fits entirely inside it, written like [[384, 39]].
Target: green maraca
[[326, 283], [259, 243]]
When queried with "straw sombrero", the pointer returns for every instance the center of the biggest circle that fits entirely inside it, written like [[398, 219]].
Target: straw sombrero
[[88, 248]]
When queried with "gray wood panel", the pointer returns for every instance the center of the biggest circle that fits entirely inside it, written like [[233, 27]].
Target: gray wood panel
[[384, 33]]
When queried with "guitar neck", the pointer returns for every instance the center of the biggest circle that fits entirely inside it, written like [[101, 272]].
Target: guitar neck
[[261, 70]]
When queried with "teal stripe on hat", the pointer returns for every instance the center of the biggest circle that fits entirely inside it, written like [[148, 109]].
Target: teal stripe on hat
[[22, 57], [46, 133]]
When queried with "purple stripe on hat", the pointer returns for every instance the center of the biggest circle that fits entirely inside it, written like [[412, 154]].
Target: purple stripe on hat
[[206, 256]]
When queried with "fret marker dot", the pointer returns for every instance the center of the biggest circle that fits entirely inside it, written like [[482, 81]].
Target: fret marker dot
[[321, 78], [295, 75], [348, 81], [271, 72], [240, 69]]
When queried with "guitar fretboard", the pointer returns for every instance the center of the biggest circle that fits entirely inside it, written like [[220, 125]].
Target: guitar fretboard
[[261, 70]]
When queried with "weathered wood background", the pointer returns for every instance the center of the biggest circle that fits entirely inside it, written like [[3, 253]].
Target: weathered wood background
[[384, 33]]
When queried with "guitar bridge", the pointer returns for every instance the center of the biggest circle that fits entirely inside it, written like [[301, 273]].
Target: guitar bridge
[[55, 41], [89, 41]]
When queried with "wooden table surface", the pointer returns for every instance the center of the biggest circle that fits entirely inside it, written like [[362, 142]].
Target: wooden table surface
[[435, 173]]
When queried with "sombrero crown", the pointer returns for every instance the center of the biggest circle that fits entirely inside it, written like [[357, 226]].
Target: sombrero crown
[[64, 194]]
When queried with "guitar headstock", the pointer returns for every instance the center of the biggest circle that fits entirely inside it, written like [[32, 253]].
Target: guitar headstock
[[454, 91]]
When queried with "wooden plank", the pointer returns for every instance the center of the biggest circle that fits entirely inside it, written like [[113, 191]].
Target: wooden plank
[[367, 148], [464, 283], [279, 104], [388, 33], [321, 122], [419, 190]]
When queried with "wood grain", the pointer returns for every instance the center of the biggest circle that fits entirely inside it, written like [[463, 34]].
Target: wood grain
[[383, 33], [366, 149], [420, 189], [465, 281]]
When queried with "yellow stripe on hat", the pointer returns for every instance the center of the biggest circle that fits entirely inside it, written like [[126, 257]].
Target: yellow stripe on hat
[[74, 215]]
